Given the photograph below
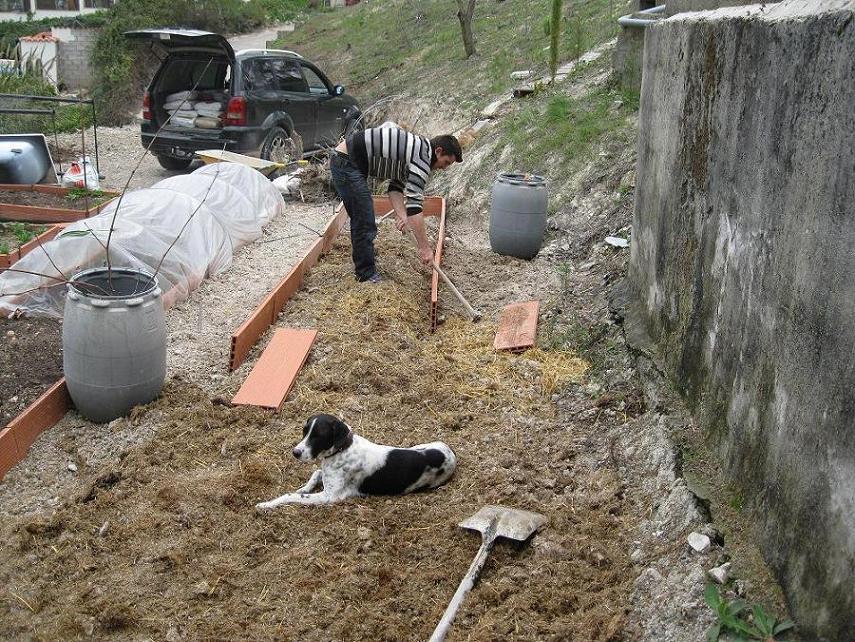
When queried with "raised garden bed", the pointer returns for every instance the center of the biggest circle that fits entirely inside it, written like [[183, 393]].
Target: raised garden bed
[[49, 203], [11, 247], [23, 380]]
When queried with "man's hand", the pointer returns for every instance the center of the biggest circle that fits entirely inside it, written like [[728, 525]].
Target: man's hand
[[402, 224], [426, 255]]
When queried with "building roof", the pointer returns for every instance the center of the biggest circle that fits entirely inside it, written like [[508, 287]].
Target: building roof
[[44, 36]]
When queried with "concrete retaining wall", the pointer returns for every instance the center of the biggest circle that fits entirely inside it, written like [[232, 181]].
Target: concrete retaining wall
[[742, 270]]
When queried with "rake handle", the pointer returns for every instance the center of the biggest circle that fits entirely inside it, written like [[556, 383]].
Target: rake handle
[[466, 585]]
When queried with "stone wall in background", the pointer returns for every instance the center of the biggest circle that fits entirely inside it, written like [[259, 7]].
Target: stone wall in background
[[74, 54], [742, 270]]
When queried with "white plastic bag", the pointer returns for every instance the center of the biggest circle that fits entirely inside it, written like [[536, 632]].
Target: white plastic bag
[[81, 174], [288, 184]]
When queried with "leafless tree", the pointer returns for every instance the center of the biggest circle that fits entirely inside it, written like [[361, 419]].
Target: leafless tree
[[464, 13]]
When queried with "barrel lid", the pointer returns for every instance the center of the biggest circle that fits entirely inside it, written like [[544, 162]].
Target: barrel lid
[[525, 180]]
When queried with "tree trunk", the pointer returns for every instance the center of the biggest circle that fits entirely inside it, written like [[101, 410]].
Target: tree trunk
[[464, 13]]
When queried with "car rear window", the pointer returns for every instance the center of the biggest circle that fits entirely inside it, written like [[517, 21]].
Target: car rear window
[[277, 74], [182, 73]]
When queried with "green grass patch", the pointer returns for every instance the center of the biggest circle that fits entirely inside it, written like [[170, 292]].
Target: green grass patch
[[560, 132], [68, 118], [390, 47], [14, 235]]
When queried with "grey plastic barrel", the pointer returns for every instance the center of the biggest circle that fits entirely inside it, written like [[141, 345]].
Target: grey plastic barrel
[[113, 342], [518, 214]]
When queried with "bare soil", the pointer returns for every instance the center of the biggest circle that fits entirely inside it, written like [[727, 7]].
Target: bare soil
[[40, 199], [30, 361]]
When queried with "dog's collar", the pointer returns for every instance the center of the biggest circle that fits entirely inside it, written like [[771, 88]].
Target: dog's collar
[[345, 444]]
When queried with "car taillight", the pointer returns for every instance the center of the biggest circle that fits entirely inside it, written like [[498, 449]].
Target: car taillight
[[146, 107], [236, 111]]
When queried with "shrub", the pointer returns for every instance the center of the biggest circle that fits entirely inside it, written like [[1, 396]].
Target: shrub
[[68, 117], [281, 10]]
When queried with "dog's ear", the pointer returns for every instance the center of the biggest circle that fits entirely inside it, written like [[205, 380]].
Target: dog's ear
[[342, 435]]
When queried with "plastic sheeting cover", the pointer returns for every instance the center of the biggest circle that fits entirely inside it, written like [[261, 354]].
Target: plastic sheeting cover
[[222, 205]]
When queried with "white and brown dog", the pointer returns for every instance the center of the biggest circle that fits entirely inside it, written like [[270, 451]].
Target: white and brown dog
[[352, 466]]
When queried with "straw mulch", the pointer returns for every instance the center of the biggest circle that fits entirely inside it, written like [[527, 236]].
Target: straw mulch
[[185, 554]]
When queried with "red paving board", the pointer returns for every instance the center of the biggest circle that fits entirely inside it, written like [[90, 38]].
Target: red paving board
[[517, 326], [8, 451], [434, 282], [270, 381], [40, 415]]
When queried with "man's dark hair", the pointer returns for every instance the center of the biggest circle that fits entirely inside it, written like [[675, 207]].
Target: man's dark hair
[[449, 144]]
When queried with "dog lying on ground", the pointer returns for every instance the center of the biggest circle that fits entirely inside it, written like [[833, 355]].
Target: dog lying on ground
[[352, 466]]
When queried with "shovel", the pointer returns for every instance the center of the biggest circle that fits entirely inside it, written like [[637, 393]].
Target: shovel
[[266, 167], [492, 522]]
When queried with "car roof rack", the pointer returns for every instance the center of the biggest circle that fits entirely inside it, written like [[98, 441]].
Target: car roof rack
[[244, 52]]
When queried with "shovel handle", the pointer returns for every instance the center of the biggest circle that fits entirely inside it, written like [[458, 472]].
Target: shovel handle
[[466, 585]]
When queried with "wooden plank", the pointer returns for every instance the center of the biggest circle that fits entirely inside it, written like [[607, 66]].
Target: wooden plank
[[434, 282], [517, 326], [250, 332], [8, 451], [40, 415], [273, 376], [434, 206], [334, 227], [287, 288], [32, 214]]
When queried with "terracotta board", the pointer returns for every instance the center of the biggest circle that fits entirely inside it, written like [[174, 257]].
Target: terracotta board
[[286, 288], [247, 334], [434, 282], [40, 415], [31, 214], [8, 451], [433, 205], [517, 326], [273, 376]]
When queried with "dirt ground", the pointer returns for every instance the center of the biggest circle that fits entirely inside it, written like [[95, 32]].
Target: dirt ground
[[183, 548], [39, 199], [22, 380]]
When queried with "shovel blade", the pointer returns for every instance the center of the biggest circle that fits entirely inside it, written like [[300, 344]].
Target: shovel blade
[[511, 523]]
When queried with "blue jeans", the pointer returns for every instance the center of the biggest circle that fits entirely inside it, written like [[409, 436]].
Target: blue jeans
[[353, 190]]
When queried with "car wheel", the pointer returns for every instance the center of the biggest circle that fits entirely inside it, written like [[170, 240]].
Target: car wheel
[[169, 162], [279, 147]]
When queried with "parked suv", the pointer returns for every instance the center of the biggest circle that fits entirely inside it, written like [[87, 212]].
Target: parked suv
[[263, 102]]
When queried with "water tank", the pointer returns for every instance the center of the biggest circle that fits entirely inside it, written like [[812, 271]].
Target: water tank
[[113, 341], [518, 214]]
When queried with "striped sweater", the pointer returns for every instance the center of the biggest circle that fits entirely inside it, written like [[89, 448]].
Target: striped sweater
[[395, 154]]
